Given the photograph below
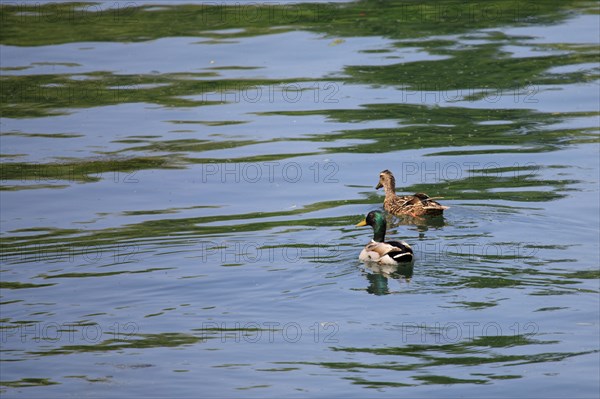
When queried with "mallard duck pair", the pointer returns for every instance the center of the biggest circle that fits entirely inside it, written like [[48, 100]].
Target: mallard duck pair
[[395, 252]]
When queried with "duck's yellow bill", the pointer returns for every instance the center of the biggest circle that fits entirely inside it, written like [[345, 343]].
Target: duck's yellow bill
[[362, 223]]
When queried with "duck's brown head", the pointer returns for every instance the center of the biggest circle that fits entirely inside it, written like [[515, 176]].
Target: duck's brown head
[[386, 179]]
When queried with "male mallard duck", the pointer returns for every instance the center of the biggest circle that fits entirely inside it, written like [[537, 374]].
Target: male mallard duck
[[388, 253], [419, 204]]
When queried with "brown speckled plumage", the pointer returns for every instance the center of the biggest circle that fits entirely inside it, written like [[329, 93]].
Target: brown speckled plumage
[[419, 204]]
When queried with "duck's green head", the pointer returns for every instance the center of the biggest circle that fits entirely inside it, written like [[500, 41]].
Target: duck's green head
[[375, 219]]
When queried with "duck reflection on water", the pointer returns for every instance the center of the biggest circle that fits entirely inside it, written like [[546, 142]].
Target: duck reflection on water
[[379, 275]]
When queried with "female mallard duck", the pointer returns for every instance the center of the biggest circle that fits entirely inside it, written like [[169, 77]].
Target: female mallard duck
[[419, 204], [388, 253]]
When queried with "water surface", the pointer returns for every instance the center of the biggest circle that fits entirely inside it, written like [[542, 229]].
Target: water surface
[[180, 184]]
